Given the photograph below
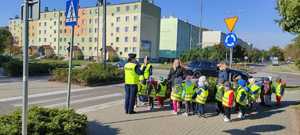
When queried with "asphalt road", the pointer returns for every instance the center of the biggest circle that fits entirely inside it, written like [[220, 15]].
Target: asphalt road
[[83, 99]]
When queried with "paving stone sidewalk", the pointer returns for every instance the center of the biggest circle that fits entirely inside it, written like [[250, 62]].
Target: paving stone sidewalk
[[273, 121]]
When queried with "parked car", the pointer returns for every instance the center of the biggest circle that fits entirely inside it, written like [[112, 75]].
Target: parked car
[[209, 68], [121, 63]]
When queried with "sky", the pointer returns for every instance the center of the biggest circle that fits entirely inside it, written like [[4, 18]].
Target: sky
[[256, 22]]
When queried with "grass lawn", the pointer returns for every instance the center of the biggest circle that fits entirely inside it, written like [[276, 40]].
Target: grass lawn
[[284, 68]]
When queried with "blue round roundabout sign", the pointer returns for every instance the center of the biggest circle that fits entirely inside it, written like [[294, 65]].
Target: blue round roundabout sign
[[230, 40]]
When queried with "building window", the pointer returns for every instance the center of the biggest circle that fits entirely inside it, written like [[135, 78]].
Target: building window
[[40, 24], [134, 28], [96, 39], [90, 48], [65, 30], [40, 40], [90, 39], [135, 18], [136, 7], [111, 34], [40, 32], [90, 11], [82, 39], [60, 31], [45, 39], [118, 9], [111, 44], [126, 39], [54, 22], [134, 39], [118, 19], [95, 30], [60, 39], [126, 49], [90, 30], [117, 48], [117, 39], [54, 31], [96, 20], [112, 14], [60, 14], [45, 23], [126, 29], [127, 8], [133, 49], [127, 18], [82, 48], [118, 29], [54, 39], [95, 48], [60, 22], [65, 40], [90, 21], [54, 47], [45, 31], [112, 24]]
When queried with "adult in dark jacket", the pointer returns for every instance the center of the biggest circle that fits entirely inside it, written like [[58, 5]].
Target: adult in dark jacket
[[176, 71]]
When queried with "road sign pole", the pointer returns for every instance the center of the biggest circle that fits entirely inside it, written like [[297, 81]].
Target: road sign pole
[[230, 62], [25, 69], [104, 33], [70, 68]]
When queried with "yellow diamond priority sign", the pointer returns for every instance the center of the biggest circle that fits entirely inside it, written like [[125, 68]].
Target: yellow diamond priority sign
[[230, 22]]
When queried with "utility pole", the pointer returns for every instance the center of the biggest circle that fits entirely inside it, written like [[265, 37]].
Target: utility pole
[[201, 21], [25, 68], [104, 32], [98, 32]]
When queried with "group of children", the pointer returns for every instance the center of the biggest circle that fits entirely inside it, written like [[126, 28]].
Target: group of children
[[238, 95]]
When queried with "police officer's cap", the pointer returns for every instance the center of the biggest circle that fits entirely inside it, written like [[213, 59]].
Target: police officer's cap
[[132, 55]]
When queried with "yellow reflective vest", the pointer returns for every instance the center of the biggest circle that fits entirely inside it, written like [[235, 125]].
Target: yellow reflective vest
[[201, 98], [220, 92], [188, 91], [176, 93], [241, 92], [131, 77], [226, 101], [146, 74], [162, 91]]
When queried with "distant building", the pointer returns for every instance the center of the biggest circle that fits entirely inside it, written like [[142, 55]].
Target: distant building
[[132, 27], [177, 36], [211, 38]]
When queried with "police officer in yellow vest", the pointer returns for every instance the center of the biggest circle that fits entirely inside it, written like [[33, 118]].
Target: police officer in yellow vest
[[132, 72]]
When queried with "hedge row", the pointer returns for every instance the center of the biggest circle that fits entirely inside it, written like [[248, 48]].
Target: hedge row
[[43, 121], [298, 63], [91, 75]]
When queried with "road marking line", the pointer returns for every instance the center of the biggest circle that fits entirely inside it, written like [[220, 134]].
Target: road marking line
[[86, 100], [57, 93], [99, 107], [50, 100]]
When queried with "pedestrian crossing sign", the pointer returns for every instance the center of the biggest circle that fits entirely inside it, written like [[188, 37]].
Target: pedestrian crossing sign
[[71, 12]]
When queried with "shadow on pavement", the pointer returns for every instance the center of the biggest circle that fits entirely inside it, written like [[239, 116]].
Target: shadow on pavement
[[97, 128], [255, 130], [144, 118]]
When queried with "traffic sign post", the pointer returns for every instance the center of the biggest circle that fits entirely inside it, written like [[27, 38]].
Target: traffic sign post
[[71, 20], [231, 39]]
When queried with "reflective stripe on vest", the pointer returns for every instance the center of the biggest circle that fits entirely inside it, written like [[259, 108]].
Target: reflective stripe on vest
[[162, 91], [220, 92], [131, 77], [189, 91], [176, 93], [278, 91], [241, 91], [202, 97], [225, 100]]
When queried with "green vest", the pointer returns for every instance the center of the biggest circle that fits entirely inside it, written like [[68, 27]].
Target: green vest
[[176, 93], [131, 77], [189, 91], [147, 71], [162, 91], [220, 92], [241, 91], [254, 89], [142, 89], [225, 99], [278, 89], [201, 99]]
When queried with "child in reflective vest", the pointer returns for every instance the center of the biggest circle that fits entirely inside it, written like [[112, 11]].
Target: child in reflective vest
[[278, 87], [254, 92], [202, 94], [152, 84], [176, 95], [219, 96], [228, 101], [241, 98], [142, 90], [188, 87], [161, 91]]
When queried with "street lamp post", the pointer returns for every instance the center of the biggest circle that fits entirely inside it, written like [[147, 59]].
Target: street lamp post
[[25, 68], [104, 32]]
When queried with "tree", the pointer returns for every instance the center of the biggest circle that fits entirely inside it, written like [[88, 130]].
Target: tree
[[289, 10], [276, 51], [293, 50], [6, 40]]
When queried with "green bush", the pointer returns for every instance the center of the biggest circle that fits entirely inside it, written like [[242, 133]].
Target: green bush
[[298, 63], [212, 83], [91, 75], [45, 121], [4, 59]]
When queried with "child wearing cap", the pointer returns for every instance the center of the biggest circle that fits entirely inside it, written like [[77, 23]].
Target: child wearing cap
[[228, 101], [241, 98]]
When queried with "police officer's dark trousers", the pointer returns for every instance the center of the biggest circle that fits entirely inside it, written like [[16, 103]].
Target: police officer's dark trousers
[[130, 97]]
